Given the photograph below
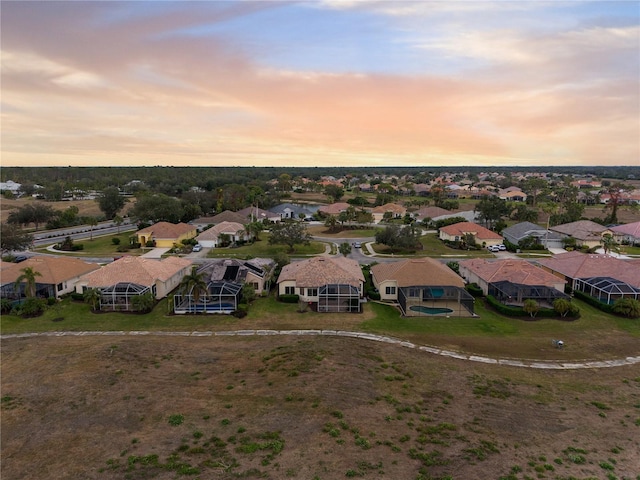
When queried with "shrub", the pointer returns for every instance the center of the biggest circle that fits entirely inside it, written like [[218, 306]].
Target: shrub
[[289, 298], [605, 307], [474, 290], [5, 305], [115, 241], [627, 307], [32, 307], [51, 301], [240, 313]]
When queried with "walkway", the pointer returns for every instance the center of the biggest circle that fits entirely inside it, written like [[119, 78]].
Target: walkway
[[537, 364]]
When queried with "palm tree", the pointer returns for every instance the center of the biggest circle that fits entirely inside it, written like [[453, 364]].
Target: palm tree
[[194, 284], [118, 221], [29, 277], [144, 302], [92, 297], [609, 244]]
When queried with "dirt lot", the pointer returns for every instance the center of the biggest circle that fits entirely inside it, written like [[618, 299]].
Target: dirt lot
[[308, 408], [88, 208]]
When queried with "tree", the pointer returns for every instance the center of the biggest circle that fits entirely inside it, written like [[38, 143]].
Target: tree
[[28, 276], [35, 213], [248, 293], [616, 192], [609, 243], [533, 187], [290, 234], [118, 220], [561, 306], [254, 229], [194, 284], [401, 238], [491, 210], [531, 307], [629, 307], [92, 297], [13, 238], [144, 302], [157, 208], [331, 223], [111, 202], [524, 214], [344, 248], [334, 192]]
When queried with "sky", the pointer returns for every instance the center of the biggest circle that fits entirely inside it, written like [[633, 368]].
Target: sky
[[320, 83]]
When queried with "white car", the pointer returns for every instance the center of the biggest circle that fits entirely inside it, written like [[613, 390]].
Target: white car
[[196, 248], [501, 247], [493, 248]]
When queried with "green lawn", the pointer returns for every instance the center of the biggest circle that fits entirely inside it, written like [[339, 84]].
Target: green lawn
[[99, 246], [594, 335], [434, 247], [263, 249]]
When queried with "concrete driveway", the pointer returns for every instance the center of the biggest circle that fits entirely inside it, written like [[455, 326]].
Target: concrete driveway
[[155, 253]]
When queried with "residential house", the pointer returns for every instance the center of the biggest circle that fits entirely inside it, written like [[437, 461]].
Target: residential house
[[422, 286], [202, 223], [255, 214], [58, 276], [520, 231], [291, 211], [122, 280], [223, 234], [165, 234], [225, 279], [334, 209], [430, 212], [457, 232], [512, 281], [585, 232], [396, 211], [328, 284], [628, 233], [603, 277], [513, 194]]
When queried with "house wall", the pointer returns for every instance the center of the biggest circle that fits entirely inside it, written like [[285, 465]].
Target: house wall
[[382, 289], [471, 277], [164, 288]]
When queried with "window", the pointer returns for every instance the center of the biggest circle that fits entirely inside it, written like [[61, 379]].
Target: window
[[290, 290], [312, 292], [413, 292], [390, 290], [59, 287]]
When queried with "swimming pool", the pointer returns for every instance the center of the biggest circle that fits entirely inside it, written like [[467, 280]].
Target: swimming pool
[[430, 310]]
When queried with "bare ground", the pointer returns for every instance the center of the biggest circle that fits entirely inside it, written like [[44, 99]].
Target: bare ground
[[287, 407]]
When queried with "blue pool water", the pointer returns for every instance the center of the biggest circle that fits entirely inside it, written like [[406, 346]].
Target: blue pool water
[[430, 310]]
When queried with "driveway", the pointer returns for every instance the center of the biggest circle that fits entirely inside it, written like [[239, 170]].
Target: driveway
[[155, 253]]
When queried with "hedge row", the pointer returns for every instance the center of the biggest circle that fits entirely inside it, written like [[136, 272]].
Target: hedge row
[[594, 302], [289, 298], [474, 290], [519, 311]]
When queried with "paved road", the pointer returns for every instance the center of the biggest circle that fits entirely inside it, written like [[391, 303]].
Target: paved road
[[524, 363]]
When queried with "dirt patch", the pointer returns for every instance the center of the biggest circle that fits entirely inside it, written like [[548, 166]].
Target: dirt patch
[[287, 407], [87, 208]]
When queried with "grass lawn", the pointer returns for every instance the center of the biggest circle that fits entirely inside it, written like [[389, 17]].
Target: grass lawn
[[263, 249], [99, 246], [434, 247], [595, 335], [322, 231]]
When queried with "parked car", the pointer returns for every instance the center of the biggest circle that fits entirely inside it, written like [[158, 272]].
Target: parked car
[[196, 248], [501, 247], [357, 245], [20, 258], [493, 248]]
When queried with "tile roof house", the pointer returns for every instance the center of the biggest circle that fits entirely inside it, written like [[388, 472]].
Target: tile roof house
[[329, 284], [58, 275], [585, 232], [397, 211], [518, 232], [334, 208], [165, 234], [215, 236], [227, 216], [158, 276], [629, 232], [482, 235], [513, 281], [430, 212], [422, 286], [603, 277], [514, 194]]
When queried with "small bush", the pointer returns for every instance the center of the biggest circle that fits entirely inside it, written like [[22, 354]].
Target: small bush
[[240, 313], [175, 420], [115, 241], [289, 298], [474, 290]]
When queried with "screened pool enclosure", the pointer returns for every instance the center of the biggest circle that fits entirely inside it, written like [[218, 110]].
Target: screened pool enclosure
[[443, 300], [338, 298], [120, 297], [220, 297], [607, 289]]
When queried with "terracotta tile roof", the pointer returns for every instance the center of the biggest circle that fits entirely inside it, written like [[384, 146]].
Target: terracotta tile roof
[[511, 270], [334, 208], [431, 212], [632, 229], [318, 271], [229, 228], [54, 270], [417, 272], [463, 228], [583, 265], [390, 207], [226, 216], [582, 229], [139, 270], [166, 230]]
